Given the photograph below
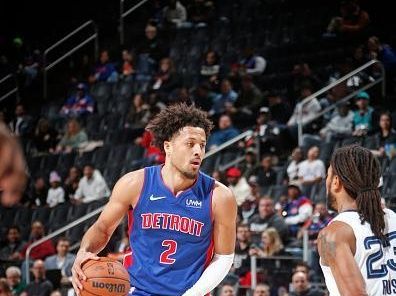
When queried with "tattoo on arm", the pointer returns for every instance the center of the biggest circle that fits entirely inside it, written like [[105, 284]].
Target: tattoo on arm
[[328, 248]]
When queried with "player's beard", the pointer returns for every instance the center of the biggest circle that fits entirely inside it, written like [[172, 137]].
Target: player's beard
[[189, 175], [331, 201]]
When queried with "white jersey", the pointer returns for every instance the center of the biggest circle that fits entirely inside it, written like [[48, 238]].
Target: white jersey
[[376, 262]]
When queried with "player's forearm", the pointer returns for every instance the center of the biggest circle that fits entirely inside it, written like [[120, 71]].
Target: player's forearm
[[95, 239]]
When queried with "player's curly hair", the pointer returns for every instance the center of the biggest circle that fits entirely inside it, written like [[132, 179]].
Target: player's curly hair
[[360, 172], [175, 117]]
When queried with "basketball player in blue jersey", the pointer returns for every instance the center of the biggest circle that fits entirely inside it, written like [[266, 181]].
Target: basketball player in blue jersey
[[182, 222], [12, 168], [358, 248]]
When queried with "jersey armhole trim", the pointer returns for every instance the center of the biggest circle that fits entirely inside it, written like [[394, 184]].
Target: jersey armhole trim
[[142, 189], [211, 201]]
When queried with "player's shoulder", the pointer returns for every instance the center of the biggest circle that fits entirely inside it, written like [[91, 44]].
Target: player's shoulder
[[337, 230], [223, 195], [132, 178], [130, 184]]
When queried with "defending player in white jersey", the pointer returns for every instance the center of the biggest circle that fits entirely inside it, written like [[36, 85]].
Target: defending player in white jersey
[[357, 249]]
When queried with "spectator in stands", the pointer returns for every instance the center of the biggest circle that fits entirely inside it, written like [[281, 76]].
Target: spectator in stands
[[73, 137], [79, 104], [241, 260], [303, 266], [40, 286], [153, 154], [62, 260], [271, 244], [127, 69], [238, 185], [56, 194], [45, 137], [266, 176], [249, 166], [56, 293], [382, 52], [250, 96], [210, 72], [104, 70], [294, 165], [227, 290], [21, 124], [174, 14], [203, 96], [139, 113], [42, 250], [267, 131], [91, 187], [14, 280], [279, 110], [5, 289], [225, 132], [298, 208], [266, 218], [30, 67], [302, 75], [151, 50], [13, 245], [38, 193], [353, 21], [201, 12], [165, 80], [312, 170], [362, 118], [249, 206], [252, 63], [261, 290], [385, 139], [226, 97], [301, 286], [71, 182]]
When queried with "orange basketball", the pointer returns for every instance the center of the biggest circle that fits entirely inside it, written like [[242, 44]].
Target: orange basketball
[[105, 277]]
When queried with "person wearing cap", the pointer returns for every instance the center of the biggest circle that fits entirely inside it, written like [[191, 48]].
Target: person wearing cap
[[80, 103], [56, 194], [362, 117], [238, 185], [298, 208]]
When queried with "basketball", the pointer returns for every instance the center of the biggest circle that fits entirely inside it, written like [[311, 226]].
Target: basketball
[[105, 276]]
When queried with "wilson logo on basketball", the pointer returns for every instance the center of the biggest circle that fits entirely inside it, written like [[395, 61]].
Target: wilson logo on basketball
[[118, 288]]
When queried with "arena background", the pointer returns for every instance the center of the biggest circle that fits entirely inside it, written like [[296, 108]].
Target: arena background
[[299, 53]]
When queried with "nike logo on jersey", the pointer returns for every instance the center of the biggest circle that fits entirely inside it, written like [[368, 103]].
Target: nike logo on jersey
[[153, 198]]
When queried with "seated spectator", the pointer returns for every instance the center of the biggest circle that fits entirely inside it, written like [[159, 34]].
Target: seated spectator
[[40, 285], [4, 288], [252, 63], [13, 245], [266, 176], [249, 206], [73, 137], [226, 97], [385, 138], [312, 170], [250, 96], [79, 103], [382, 52], [21, 124], [238, 185], [62, 260], [139, 113], [210, 72], [301, 286], [104, 70], [297, 210], [362, 117], [45, 137], [165, 80], [278, 108], [242, 260], [227, 290], [294, 165], [174, 14], [14, 280], [249, 166], [42, 250], [353, 20], [71, 182], [268, 133], [262, 290], [127, 70], [38, 193], [56, 194], [271, 244], [225, 132], [266, 218], [91, 187], [153, 154]]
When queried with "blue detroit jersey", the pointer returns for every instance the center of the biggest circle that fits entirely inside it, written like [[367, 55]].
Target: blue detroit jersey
[[171, 237]]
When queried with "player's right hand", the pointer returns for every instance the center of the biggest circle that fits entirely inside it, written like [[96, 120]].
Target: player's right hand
[[77, 273]]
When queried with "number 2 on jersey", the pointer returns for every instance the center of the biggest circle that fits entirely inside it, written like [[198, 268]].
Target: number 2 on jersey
[[373, 258], [171, 248]]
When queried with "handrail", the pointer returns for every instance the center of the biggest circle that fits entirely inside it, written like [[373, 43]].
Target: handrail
[[125, 14], [14, 90], [93, 36], [55, 233], [331, 85], [228, 143]]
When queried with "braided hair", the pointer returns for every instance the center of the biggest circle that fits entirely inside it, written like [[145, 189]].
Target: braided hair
[[359, 171]]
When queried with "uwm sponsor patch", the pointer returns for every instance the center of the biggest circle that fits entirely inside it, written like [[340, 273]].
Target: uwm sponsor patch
[[192, 203], [117, 288]]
